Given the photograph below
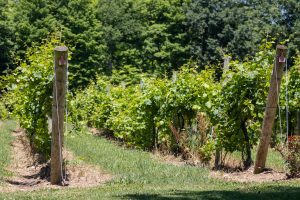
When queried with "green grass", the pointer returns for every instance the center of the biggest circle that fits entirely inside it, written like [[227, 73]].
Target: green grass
[[133, 166], [274, 159], [5, 149], [138, 176]]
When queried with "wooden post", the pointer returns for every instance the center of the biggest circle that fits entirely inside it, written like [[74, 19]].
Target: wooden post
[[297, 129], [58, 107], [226, 66], [226, 63], [271, 108]]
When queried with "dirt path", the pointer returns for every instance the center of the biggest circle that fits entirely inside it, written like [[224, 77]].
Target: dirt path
[[248, 176], [235, 174], [28, 175]]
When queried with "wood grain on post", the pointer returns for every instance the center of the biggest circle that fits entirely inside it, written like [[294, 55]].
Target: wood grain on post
[[271, 108], [58, 107], [226, 66]]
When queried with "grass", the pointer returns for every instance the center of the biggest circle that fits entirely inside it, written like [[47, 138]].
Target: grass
[[138, 176], [5, 149], [274, 159], [133, 166]]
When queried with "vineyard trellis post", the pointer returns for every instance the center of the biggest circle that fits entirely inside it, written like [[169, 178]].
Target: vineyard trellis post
[[58, 110], [226, 66], [297, 131], [271, 108]]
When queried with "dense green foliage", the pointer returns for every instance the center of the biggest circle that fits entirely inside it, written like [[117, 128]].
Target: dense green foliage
[[4, 114], [141, 113], [5, 38], [29, 94], [290, 99], [123, 57], [151, 35], [164, 113], [242, 101], [293, 82]]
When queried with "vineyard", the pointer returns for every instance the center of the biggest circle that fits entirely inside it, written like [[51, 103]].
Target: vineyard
[[138, 100]]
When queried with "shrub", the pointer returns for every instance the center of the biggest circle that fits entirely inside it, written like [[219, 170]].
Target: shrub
[[3, 111], [206, 151], [240, 102], [125, 119], [28, 94], [91, 106], [293, 156], [145, 115]]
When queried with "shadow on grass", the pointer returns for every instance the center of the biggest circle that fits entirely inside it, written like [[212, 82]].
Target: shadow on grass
[[270, 193]]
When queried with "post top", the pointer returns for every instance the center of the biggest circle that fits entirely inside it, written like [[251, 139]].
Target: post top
[[280, 46], [61, 48]]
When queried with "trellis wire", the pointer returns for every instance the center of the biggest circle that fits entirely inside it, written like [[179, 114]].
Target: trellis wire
[[278, 101], [287, 101]]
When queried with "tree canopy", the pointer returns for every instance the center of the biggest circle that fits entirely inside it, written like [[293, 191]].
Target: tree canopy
[[155, 36]]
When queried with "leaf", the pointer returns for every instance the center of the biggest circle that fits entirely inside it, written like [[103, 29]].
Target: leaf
[[208, 104]]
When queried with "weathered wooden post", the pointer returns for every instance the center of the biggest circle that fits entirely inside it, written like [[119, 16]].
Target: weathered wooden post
[[297, 129], [58, 107], [226, 65], [271, 108]]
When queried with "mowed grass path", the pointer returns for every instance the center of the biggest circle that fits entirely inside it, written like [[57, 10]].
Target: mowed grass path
[[5, 147], [139, 176]]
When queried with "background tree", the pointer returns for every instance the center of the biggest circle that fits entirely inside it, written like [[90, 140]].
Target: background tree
[[155, 36], [164, 36], [6, 44], [122, 27], [75, 20], [236, 27]]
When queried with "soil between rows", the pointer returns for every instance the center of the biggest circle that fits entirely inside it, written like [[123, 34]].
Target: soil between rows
[[29, 175], [234, 174]]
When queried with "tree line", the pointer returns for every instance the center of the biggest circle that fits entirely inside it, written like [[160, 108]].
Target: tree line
[[155, 36]]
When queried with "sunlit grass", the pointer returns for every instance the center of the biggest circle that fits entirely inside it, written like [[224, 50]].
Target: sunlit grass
[[138, 176], [5, 149], [134, 166], [274, 159]]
